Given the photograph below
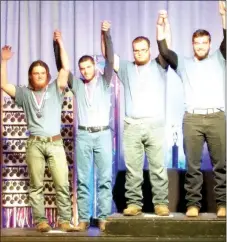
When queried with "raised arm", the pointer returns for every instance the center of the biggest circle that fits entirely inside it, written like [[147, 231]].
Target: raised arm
[[6, 54], [106, 44], [222, 10], [163, 35], [108, 69], [57, 54], [64, 60]]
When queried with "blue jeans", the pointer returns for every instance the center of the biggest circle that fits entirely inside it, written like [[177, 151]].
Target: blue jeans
[[140, 138], [38, 153], [99, 146]]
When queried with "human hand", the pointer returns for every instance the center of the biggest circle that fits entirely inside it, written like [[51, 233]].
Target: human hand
[[105, 25], [6, 52]]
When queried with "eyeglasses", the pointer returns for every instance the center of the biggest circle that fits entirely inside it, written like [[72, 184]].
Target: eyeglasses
[[143, 51], [201, 43]]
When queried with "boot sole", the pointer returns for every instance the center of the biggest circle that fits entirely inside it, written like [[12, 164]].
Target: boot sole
[[163, 214], [132, 214]]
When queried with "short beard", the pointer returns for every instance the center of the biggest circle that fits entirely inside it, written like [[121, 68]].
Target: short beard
[[141, 63], [38, 87], [202, 57], [86, 81], [144, 62]]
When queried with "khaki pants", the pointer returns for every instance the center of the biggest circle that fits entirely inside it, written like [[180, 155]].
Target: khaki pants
[[38, 154]]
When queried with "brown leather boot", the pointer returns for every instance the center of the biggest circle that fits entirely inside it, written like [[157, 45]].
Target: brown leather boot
[[102, 225], [161, 210], [66, 227], [132, 210], [221, 211], [82, 226], [192, 211], [43, 227]]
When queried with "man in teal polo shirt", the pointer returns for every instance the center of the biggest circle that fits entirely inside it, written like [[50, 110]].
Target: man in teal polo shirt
[[41, 102]]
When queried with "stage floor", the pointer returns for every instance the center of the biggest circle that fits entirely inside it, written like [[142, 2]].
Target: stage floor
[[146, 227]]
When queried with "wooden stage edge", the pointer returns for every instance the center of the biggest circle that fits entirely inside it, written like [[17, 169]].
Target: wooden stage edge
[[146, 227]]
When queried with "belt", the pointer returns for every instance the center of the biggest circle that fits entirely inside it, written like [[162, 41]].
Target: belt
[[205, 110], [137, 120], [94, 128], [46, 139]]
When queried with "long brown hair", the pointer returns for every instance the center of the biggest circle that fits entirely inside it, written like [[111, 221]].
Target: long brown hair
[[34, 64]]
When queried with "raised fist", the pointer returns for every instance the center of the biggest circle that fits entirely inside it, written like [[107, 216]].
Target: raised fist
[[222, 7], [57, 36], [105, 25], [162, 17], [163, 14]]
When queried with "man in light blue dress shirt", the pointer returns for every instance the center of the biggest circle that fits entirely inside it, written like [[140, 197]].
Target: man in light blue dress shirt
[[144, 82], [203, 77], [93, 138]]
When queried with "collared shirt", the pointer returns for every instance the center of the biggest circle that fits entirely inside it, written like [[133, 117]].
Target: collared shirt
[[144, 89], [92, 109], [204, 81]]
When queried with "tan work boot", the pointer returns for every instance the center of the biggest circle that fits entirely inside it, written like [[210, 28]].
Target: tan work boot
[[102, 225], [43, 227], [66, 227], [221, 211], [192, 211], [132, 210], [82, 226], [161, 210]]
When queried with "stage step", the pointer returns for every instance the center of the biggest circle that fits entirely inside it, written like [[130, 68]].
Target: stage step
[[177, 225], [145, 228]]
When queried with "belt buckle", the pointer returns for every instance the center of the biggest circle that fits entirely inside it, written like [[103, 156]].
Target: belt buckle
[[96, 129], [49, 139], [35, 138], [89, 129]]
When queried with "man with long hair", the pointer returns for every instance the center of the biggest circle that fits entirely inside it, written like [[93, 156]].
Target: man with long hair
[[42, 101]]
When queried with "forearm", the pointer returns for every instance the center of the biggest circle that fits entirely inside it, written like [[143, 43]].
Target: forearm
[[160, 33], [57, 55], [108, 70], [64, 57], [223, 21], [4, 80], [169, 56], [109, 47], [164, 32], [103, 44], [10, 89]]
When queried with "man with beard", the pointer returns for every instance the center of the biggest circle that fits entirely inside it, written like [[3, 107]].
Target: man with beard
[[203, 78], [93, 140], [144, 83], [41, 102]]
